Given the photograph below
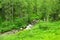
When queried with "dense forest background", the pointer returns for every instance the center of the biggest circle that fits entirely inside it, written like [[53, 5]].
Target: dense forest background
[[19, 13]]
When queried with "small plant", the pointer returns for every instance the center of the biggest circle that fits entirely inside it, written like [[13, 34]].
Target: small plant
[[43, 27]]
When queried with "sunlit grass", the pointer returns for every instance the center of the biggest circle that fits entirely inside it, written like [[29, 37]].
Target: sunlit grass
[[39, 31]]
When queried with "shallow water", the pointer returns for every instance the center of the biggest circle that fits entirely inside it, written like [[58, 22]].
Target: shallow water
[[28, 26]]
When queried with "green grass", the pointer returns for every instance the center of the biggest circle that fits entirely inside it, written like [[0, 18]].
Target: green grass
[[39, 31], [7, 25]]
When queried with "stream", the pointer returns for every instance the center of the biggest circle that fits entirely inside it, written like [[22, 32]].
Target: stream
[[16, 30], [29, 26]]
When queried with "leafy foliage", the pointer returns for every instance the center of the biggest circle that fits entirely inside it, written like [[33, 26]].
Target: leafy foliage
[[16, 14], [38, 32]]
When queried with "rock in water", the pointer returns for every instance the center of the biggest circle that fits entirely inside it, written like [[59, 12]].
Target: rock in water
[[29, 26]]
